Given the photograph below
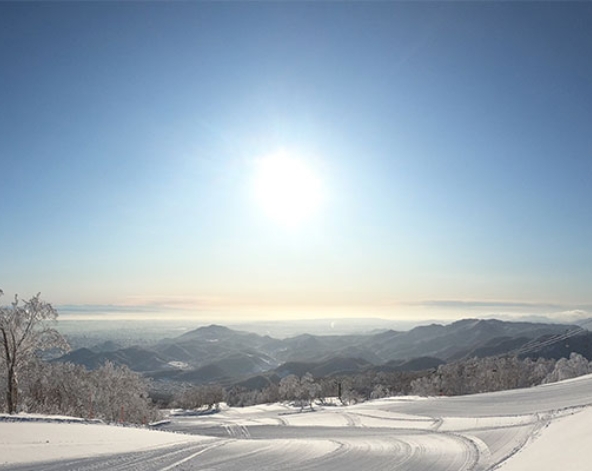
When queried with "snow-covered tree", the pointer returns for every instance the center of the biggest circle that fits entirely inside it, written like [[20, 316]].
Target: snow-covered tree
[[379, 392], [110, 393], [289, 389], [476, 375], [57, 388], [239, 396], [121, 395], [302, 390], [25, 329], [565, 368], [309, 389], [196, 397]]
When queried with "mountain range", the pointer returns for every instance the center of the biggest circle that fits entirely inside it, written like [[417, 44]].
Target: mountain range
[[220, 354]]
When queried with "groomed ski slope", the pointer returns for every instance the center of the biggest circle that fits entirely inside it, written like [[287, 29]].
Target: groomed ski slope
[[542, 428]]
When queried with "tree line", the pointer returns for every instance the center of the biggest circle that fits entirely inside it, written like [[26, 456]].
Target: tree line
[[469, 376]]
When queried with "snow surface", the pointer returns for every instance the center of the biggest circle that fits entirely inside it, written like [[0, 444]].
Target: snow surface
[[564, 444], [542, 428], [33, 438]]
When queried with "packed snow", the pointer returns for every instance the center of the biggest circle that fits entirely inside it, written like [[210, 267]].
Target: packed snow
[[33, 438], [541, 428]]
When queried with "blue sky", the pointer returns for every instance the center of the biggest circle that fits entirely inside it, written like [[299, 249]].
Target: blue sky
[[452, 141]]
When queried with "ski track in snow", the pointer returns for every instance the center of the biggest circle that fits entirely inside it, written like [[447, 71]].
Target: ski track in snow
[[471, 433]]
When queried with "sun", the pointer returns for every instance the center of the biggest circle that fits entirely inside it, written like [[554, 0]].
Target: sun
[[287, 188]]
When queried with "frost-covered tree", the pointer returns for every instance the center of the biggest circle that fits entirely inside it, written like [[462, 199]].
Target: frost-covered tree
[[111, 393], [289, 388], [270, 394], [379, 392], [196, 397], [121, 395], [309, 389], [58, 389], [477, 375], [565, 368], [25, 329], [239, 396], [302, 390], [427, 385]]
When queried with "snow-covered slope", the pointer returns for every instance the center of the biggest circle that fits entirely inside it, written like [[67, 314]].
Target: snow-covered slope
[[542, 428], [36, 439], [564, 444]]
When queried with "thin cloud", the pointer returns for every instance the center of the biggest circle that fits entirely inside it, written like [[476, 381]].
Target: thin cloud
[[474, 304], [574, 314], [174, 302], [102, 308]]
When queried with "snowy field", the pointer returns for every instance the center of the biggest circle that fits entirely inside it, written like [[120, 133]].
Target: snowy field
[[542, 428]]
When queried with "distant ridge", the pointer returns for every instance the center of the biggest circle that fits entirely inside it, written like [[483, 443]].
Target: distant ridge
[[218, 353]]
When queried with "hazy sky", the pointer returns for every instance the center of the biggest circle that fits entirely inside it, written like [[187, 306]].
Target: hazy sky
[[439, 157]]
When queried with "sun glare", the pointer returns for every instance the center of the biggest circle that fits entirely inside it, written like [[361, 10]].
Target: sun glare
[[287, 188]]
